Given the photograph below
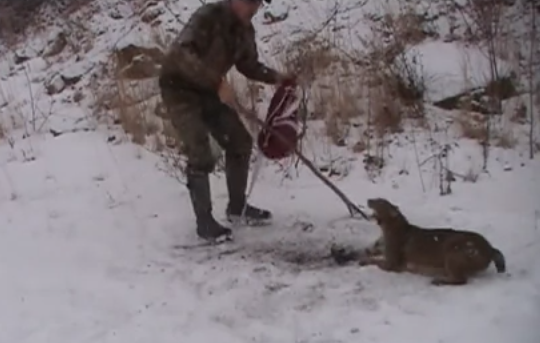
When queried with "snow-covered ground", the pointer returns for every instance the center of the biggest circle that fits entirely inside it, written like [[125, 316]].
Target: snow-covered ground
[[90, 252], [96, 240]]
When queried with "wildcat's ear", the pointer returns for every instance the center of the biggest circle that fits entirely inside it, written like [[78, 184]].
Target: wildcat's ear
[[394, 212]]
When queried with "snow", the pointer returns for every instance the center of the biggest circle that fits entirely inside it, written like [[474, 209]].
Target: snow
[[87, 254], [93, 232], [450, 68]]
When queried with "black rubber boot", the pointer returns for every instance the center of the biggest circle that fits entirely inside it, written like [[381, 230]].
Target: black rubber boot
[[251, 215], [199, 190], [237, 170]]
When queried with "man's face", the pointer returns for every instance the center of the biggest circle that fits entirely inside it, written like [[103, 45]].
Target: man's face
[[246, 9]]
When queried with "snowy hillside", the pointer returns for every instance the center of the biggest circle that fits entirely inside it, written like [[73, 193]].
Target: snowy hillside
[[97, 239]]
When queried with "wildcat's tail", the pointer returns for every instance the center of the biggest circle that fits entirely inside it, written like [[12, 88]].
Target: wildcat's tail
[[499, 261]]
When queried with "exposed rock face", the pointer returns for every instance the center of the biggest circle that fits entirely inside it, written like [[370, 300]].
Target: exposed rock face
[[49, 47], [142, 67], [151, 14], [55, 85], [275, 13], [67, 77], [26, 54], [136, 62], [56, 44], [126, 54], [477, 99]]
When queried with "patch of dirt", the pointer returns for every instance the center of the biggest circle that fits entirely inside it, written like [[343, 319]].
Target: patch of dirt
[[302, 255], [292, 248]]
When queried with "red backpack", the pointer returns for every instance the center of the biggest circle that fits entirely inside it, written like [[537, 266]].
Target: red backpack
[[279, 136]]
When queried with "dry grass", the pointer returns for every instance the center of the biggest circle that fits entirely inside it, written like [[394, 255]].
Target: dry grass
[[387, 47], [129, 115], [338, 105], [396, 82], [340, 83], [134, 104], [368, 85], [310, 56], [472, 126], [135, 98], [18, 19], [15, 110], [386, 116], [505, 139], [480, 127], [360, 146], [249, 94], [376, 85], [519, 115], [131, 94], [2, 131], [136, 111], [332, 81], [77, 36], [407, 26], [137, 63], [350, 87]]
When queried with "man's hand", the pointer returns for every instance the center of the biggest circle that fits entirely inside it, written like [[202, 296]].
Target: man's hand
[[226, 93], [285, 78]]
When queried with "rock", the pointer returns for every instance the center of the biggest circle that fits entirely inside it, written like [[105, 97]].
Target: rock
[[55, 133], [55, 85], [151, 3], [156, 23], [115, 14], [151, 14], [32, 48], [477, 99], [344, 254], [23, 55], [137, 62], [270, 18], [67, 77], [75, 72], [56, 44], [373, 162], [160, 111], [18, 58], [78, 96], [126, 55], [275, 13], [141, 67]]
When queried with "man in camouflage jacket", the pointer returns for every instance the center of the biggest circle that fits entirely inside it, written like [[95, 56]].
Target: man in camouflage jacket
[[217, 36]]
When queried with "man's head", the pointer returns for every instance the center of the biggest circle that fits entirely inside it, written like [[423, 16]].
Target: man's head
[[246, 9]]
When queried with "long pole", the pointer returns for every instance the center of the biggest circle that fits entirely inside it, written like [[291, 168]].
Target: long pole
[[249, 115]]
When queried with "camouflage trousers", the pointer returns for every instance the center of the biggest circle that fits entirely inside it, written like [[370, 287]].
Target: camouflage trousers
[[195, 118]]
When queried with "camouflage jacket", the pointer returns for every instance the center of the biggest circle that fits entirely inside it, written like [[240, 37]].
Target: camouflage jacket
[[213, 41]]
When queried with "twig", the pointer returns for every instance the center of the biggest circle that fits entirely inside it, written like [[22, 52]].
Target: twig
[[32, 103], [421, 164], [531, 81], [175, 15], [417, 159]]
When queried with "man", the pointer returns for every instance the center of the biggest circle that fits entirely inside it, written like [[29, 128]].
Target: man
[[217, 36]]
